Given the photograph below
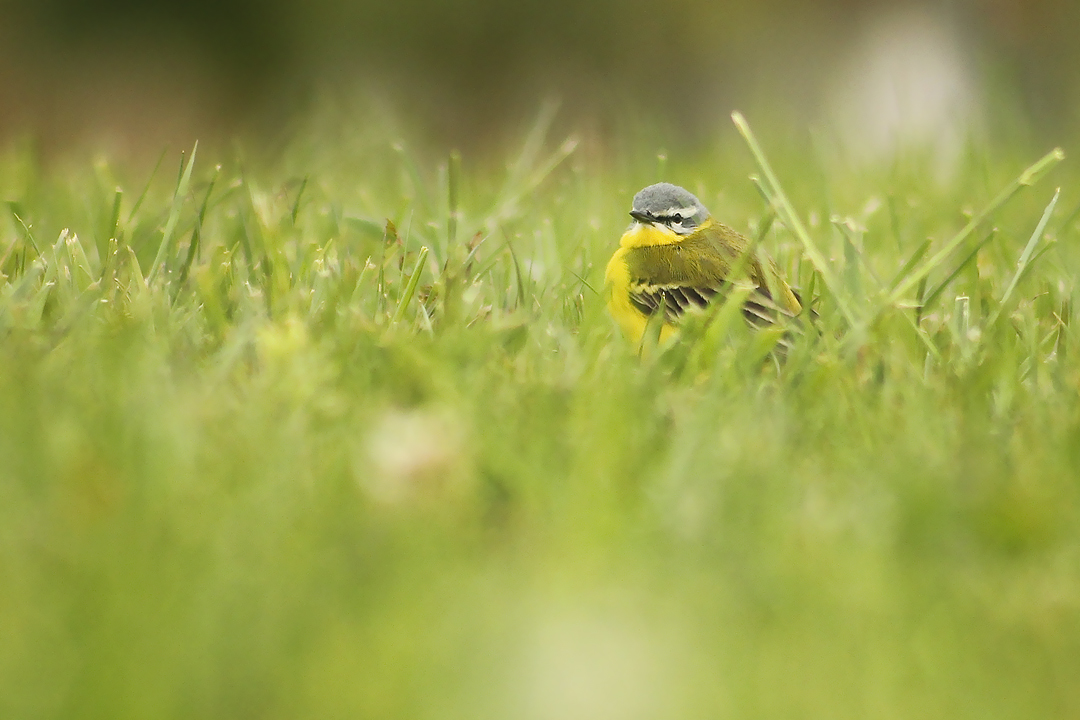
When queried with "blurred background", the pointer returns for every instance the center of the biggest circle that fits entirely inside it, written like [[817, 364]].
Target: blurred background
[[131, 73], [181, 531]]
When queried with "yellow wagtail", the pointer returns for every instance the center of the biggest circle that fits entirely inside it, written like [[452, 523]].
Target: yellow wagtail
[[676, 258]]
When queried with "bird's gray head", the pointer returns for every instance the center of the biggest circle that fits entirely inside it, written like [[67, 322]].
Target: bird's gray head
[[671, 206]]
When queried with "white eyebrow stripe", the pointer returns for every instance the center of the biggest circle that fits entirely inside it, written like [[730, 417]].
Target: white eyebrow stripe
[[680, 211]]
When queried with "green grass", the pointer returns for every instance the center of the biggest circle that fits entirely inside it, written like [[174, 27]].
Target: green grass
[[348, 433]]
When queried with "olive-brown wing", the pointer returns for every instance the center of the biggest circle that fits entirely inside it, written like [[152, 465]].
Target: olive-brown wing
[[687, 275]]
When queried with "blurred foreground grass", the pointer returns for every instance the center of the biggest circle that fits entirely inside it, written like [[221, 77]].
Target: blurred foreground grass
[[249, 469]]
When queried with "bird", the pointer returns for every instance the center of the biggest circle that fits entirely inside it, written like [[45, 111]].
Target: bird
[[675, 258]]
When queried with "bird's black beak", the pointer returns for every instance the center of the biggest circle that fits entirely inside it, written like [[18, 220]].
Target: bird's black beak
[[641, 216]]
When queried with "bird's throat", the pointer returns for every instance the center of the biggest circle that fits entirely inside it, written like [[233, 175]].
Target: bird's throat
[[647, 235]]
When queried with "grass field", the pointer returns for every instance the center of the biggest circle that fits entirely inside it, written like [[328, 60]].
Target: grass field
[[346, 432]]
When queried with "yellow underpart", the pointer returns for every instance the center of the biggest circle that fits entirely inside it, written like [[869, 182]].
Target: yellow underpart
[[709, 237], [641, 235], [617, 280]]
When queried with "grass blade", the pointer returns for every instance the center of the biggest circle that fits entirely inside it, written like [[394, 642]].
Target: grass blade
[[27, 234], [453, 195], [936, 292], [174, 215], [114, 219], [779, 198], [1025, 257], [1027, 178], [919, 254], [410, 288], [146, 189], [299, 195], [196, 234]]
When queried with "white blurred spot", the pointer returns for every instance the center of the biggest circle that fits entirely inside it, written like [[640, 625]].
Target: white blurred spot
[[907, 85], [593, 668], [411, 453], [535, 269]]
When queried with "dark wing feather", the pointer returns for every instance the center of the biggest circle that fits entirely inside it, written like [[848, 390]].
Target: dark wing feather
[[758, 308], [676, 299], [688, 275]]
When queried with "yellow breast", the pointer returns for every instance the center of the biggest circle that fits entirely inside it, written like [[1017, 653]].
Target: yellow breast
[[641, 235], [617, 281]]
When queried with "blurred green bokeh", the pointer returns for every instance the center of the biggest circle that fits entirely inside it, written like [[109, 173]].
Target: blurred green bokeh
[[233, 486], [246, 473], [460, 70]]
